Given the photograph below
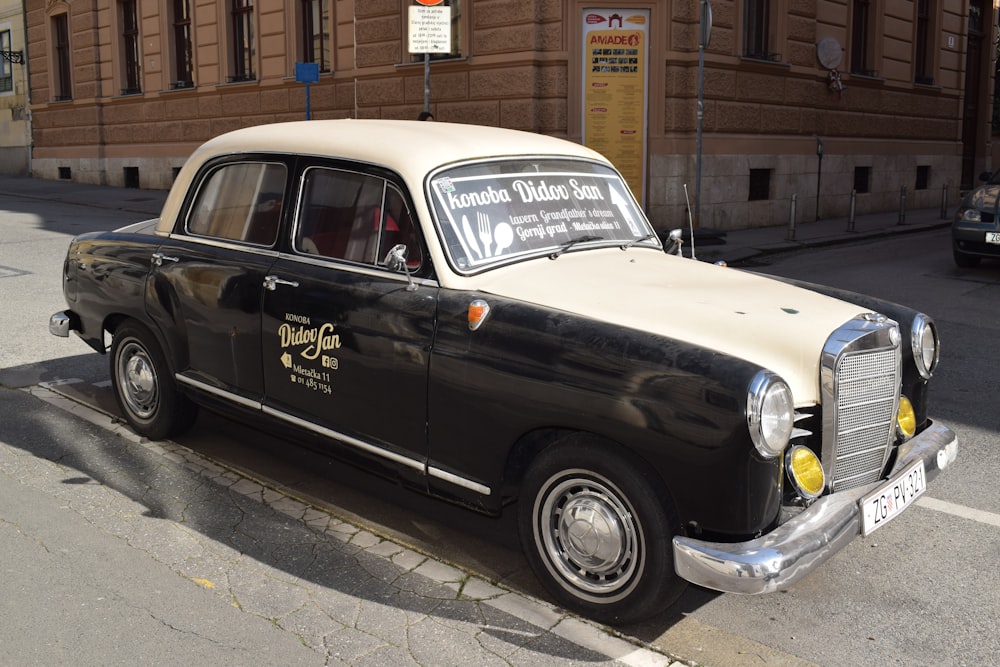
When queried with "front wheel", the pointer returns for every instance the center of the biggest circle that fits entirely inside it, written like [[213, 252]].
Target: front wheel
[[144, 388], [965, 261], [598, 532]]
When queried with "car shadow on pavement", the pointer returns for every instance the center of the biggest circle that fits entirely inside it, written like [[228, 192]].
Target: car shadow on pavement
[[353, 547]]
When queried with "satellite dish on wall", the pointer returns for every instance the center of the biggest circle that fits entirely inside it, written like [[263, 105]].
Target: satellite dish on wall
[[829, 53]]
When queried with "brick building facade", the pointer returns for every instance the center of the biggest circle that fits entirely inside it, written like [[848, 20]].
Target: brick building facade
[[897, 93]]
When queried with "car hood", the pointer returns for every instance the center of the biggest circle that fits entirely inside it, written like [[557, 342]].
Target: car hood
[[769, 323]]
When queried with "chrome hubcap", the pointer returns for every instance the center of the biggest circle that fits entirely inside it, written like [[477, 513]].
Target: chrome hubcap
[[589, 535], [137, 379]]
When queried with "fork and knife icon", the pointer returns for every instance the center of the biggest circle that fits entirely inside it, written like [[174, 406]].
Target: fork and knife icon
[[485, 234]]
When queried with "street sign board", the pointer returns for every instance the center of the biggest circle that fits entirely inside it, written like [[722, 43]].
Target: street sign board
[[430, 29], [307, 72]]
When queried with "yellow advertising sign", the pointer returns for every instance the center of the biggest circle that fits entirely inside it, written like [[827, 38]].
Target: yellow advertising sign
[[615, 55]]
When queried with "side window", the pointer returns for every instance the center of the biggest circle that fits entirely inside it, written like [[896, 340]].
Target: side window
[[240, 202], [353, 216]]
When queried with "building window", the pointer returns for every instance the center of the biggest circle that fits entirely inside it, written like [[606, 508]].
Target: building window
[[760, 184], [316, 33], [923, 177], [758, 30], [862, 38], [60, 41], [862, 179], [131, 66], [6, 73], [243, 41], [183, 73], [923, 57], [455, 7]]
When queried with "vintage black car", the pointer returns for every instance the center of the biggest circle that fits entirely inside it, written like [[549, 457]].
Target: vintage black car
[[488, 316]]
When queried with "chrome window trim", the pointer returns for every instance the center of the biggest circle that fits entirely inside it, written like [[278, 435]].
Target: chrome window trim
[[353, 267], [406, 461], [212, 242]]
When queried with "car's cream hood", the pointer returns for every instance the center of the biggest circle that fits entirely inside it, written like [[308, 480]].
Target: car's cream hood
[[775, 325]]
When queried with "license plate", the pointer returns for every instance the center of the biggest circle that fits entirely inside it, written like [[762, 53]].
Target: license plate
[[993, 237], [889, 500]]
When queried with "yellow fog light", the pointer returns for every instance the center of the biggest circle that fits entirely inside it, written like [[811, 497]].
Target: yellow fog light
[[906, 419], [805, 471]]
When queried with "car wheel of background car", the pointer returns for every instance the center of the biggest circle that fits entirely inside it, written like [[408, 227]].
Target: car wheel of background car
[[144, 386], [965, 261], [598, 532]]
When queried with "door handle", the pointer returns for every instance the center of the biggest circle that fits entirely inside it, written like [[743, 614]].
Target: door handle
[[159, 258], [272, 282]]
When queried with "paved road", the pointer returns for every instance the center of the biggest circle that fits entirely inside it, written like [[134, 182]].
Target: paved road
[[915, 594]]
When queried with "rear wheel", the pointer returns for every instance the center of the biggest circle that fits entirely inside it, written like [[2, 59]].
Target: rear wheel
[[144, 387], [598, 532]]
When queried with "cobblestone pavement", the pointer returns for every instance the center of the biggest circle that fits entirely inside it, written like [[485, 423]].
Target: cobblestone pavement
[[347, 594]]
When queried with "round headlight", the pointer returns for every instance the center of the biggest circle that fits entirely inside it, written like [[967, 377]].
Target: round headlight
[[770, 413], [924, 341], [805, 471], [970, 215]]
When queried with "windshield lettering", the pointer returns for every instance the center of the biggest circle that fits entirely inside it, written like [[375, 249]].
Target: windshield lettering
[[500, 210]]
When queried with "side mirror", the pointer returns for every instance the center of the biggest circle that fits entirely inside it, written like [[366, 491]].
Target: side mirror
[[674, 242], [395, 260]]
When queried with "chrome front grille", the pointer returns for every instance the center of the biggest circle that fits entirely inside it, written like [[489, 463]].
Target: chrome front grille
[[861, 378]]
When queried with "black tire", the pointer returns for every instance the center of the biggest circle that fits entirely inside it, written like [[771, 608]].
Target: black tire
[[625, 572], [144, 386], [965, 261]]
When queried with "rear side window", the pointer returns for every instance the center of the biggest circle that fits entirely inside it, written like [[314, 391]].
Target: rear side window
[[240, 202]]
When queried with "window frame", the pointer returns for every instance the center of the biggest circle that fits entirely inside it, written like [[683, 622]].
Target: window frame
[[308, 33], [62, 70], [250, 207], [924, 43], [760, 30], [242, 40], [129, 47], [181, 31], [6, 66], [862, 33]]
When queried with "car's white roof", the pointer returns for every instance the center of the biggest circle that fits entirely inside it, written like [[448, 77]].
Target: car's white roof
[[411, 148]]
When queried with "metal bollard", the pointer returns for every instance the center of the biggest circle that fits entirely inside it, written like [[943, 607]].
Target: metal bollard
[[850, 216], [944, 202], [902, 205], [791, 220]]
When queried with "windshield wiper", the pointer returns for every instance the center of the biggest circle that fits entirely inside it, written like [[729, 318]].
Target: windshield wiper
[[629, 244], [572, 242]]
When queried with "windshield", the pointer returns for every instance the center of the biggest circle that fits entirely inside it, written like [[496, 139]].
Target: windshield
[[495, 212]]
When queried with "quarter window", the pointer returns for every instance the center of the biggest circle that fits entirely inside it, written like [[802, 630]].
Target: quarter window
[[240, 202]]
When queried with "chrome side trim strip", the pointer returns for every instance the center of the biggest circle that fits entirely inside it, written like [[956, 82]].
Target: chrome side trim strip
[[458, 481], [381, 452], [221, 393]]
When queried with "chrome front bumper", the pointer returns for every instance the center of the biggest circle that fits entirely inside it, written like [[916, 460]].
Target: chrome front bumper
[[777, 560]]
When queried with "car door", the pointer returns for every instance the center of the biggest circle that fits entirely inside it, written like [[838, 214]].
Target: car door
[[205, 292], [346, 340]]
